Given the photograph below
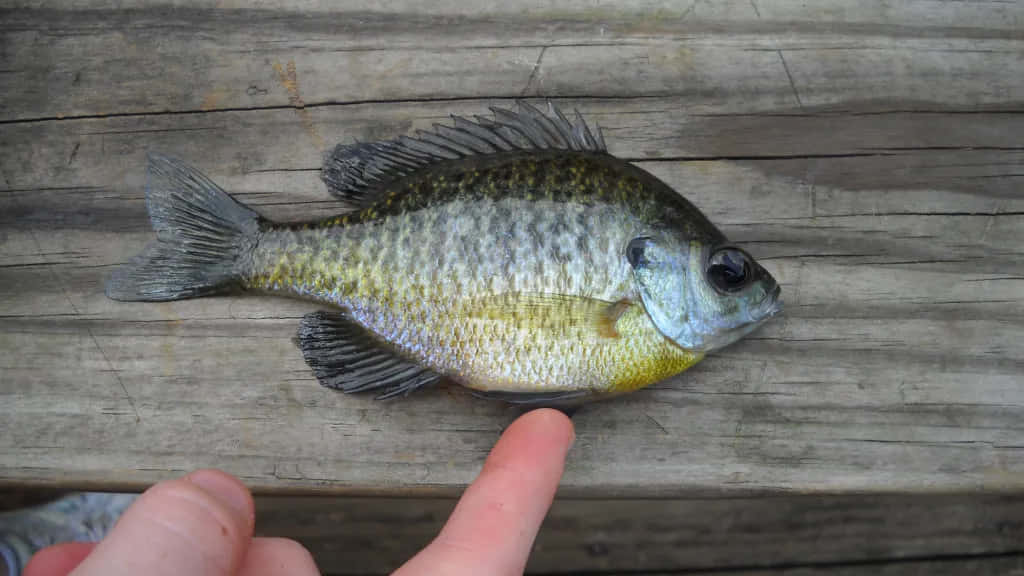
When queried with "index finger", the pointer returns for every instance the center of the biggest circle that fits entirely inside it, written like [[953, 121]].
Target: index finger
[[495, 522]]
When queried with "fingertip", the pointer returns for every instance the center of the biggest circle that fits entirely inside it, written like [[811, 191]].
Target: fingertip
[[550, 427], [58, 560], [555, 420], [228, 490], [492, 528], [200, 524], [275, 556]]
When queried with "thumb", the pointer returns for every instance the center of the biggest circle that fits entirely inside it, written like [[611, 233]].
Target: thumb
[[200, 524]]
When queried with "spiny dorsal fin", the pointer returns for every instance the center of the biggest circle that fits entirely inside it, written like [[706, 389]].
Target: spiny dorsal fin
[[354, 173], [346, 357]]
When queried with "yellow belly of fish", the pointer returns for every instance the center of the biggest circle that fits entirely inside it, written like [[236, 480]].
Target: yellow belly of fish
[[533, 354]]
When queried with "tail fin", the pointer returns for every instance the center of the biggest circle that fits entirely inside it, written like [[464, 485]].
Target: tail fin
[[201, 233]]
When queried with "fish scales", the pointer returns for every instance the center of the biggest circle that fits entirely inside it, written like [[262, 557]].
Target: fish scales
[[461, 234]]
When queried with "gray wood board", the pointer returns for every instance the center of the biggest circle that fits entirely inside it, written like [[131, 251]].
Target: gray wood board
[[374, 536], [142, 57], [997, 566], [870, 156]]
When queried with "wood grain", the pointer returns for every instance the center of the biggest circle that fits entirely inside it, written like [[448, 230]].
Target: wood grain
[[374, 536], [869, 155], [1011, 565]]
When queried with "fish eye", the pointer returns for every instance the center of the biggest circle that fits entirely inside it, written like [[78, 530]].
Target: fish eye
[[729, 269], [635, 251]]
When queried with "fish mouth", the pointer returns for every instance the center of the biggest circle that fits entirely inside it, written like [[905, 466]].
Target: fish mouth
[[772, 304]]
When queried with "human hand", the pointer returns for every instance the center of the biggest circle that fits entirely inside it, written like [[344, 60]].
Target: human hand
[[202, 524]]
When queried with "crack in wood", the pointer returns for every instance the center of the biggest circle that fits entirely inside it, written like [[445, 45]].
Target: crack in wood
[[900, 213], [117, 375], [535, 72], [504, 97], [656, 423], [792, 84], [781, 568]]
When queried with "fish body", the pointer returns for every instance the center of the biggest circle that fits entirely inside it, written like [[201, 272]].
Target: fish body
[[515, 257]]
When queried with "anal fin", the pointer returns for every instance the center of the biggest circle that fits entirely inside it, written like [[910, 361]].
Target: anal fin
[[347, 357]]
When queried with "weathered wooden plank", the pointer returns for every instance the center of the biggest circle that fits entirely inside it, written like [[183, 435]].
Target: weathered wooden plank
[[949, 534], [653, 15], [934, 152], [981, 566], [835, 397], [731, 55], [373, 536]]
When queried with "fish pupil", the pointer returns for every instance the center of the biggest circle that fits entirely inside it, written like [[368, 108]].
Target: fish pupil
[[729, 269], [635, 252]]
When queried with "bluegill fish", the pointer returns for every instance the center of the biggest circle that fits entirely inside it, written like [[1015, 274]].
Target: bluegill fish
[[513, 255]]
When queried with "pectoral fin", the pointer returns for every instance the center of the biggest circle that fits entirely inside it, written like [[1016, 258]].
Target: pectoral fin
[[347, 357], [550, 312]]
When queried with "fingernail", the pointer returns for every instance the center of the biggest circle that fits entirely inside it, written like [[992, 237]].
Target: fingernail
[[224, 488]]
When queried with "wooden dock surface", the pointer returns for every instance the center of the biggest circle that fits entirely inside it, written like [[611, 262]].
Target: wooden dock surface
[[869, 153]]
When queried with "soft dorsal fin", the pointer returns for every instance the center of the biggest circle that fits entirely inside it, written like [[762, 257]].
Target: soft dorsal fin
[[354, 172], [346, 357]]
